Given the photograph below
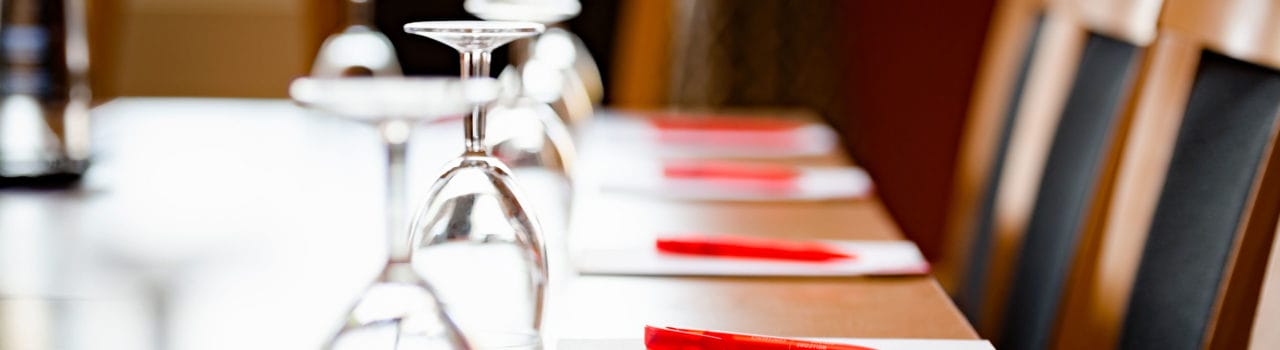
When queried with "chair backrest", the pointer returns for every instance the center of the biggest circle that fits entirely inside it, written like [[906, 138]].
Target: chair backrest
[[1208, 203], [1176, 257], [1074, 172], [1057, 125]]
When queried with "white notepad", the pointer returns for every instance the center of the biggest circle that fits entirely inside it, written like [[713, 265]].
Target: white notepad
[[636, 136], [808, 184], [876, 258]]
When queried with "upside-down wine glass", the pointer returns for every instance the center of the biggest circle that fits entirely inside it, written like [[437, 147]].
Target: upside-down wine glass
[[577, 86], [399, 309], [475, 239], [540, 88]]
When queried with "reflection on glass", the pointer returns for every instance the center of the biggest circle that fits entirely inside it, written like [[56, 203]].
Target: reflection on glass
[[359, 50], [531, 134], [476, 240], [399, 309], [44, 93], [582, 88]]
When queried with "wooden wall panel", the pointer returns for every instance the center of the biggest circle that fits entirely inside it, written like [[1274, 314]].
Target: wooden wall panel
[[101, 17], [241, 48], [643, 46]]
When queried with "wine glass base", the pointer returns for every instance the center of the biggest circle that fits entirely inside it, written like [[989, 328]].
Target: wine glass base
[[474, 35], [486, 340], [397, 308]]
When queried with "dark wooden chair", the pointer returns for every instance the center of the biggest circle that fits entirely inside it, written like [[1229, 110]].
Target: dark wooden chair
[[1030, 168], [1174, 257]]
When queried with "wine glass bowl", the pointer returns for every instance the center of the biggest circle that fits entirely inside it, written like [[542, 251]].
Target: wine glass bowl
[[476, 240], [399, 307]]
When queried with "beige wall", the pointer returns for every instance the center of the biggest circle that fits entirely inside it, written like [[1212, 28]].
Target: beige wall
[[242, 48]]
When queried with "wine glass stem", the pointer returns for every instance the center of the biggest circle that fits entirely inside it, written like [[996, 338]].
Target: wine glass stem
[[395, 137], [359, 13], [475, 64]]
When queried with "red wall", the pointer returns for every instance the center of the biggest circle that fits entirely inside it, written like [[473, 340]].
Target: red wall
[[912, 65]]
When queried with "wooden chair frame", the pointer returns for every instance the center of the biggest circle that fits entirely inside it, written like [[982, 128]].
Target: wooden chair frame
[[1267, 320], [1007, 40], [1061, 41], [1101, 281]]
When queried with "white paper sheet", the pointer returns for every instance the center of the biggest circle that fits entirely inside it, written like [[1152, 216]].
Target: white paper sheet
[[872, 258], [812, 184], [634, 136], [878, 344]]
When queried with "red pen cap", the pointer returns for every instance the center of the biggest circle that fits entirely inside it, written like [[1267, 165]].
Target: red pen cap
[[656, 338], [671, 338], [749, 247]]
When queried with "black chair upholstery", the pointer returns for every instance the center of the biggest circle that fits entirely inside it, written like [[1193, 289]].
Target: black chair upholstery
[[975, 274], [1066, 190], [1229, 121]]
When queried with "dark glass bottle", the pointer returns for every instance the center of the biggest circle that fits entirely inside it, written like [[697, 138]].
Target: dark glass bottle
[[44, 93]]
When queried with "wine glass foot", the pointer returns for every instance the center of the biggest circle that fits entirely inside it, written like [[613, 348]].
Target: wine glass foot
[[474, 35], [399, 308]]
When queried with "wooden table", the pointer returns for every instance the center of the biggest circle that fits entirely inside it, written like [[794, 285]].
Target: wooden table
[[263, 221], [874, 307]]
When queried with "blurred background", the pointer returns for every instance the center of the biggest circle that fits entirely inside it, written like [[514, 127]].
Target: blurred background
[[1077, 173], [893, 77]]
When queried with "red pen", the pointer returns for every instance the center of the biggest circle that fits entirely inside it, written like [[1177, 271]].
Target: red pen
[[708, 169], [672, 122], [750, 247], [670, 338], [725, 131]]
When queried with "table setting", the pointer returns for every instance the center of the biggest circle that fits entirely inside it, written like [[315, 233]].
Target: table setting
[[552, 223]]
